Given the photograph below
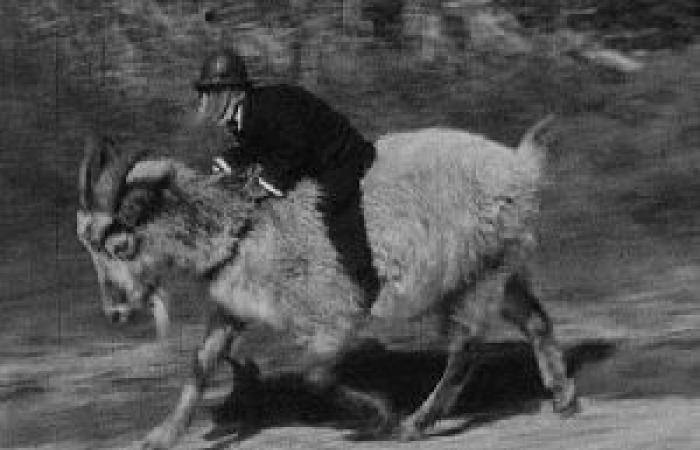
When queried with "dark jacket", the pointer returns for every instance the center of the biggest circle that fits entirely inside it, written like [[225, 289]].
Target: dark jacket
[[293, 135]]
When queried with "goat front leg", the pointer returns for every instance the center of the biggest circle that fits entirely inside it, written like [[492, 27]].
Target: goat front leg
[[319, 369], [220, 333]]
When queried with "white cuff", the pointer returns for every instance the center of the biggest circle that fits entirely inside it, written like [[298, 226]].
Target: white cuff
[[270, 188], [221, 166]]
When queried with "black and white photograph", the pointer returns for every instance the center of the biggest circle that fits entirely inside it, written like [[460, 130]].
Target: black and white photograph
[[350, 224]]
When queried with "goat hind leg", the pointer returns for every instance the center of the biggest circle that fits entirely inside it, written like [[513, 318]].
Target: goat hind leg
[[220, 333], [443, 397], [522, 308], [467, 321]]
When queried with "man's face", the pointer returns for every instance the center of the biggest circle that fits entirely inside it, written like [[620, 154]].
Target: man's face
[[218, 105]]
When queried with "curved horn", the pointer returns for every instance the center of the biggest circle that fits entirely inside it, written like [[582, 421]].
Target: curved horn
[[86, 173], [111, 181]]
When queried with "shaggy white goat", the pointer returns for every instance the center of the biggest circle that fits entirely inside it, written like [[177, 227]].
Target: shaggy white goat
[[450, 220]]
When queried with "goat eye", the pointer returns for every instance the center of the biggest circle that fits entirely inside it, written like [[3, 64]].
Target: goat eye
[[121, 246], [97, 239]]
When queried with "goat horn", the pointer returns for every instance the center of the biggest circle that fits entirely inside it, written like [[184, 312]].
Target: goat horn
[[86, 174], [111, 182]]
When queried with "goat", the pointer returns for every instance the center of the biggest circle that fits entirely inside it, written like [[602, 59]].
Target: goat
[[450, 217]]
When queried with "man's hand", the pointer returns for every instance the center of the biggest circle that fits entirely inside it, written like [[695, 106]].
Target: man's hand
[[256, 186]]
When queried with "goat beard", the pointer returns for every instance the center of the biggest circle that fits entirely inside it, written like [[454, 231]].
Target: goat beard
[[159, 310]]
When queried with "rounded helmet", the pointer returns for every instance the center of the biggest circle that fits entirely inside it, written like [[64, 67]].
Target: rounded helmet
[[222, 69]]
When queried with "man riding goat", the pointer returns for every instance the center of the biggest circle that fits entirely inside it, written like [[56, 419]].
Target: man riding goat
[[289, 134]]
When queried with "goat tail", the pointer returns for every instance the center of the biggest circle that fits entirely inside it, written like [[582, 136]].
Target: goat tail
[[533, 145]]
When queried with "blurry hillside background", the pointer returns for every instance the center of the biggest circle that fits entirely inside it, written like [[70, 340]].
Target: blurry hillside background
[[620, 235], [623, 78]]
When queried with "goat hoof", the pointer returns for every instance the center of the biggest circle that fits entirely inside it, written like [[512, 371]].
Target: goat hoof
[[565, 401], [162, 437], [410, 430], [385, 426]]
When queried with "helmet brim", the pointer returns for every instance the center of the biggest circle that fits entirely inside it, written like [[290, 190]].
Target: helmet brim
[[201, 86]]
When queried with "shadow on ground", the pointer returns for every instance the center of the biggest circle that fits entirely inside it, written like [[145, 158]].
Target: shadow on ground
[[505, 382]]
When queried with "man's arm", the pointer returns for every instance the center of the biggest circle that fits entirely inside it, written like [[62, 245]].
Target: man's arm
[[276, 136], [247, 169], [238, 156], [289, 161]]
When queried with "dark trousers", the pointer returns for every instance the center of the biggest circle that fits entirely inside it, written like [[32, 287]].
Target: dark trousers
[[341, 206]]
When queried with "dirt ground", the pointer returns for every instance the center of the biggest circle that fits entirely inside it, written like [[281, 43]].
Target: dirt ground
[[68, 380], [625, 309]]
